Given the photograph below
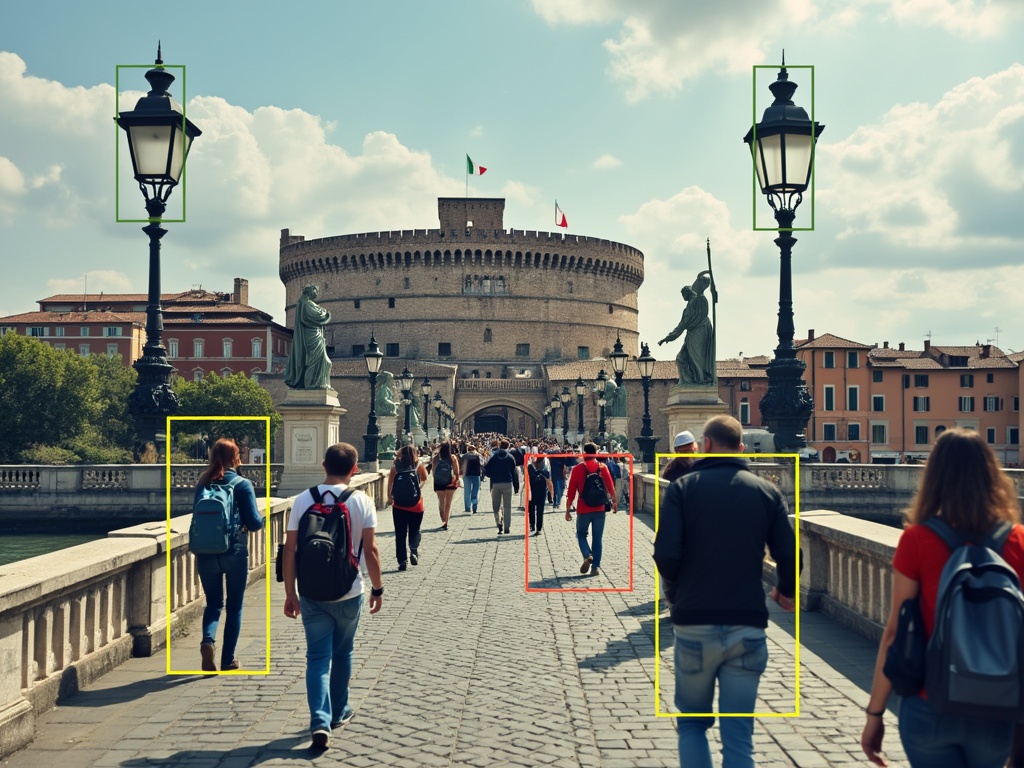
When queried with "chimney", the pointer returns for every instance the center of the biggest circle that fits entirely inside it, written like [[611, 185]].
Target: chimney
[[810, 334], [885, 345], [986, 350], [902, 347], [241, 295], [927, 345]]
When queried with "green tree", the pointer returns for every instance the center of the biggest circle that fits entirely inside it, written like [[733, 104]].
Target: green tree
[[47, 396], [235, 395], [114, 426]]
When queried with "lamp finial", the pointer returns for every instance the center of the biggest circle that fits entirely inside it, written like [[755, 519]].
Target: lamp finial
[[159, 55]]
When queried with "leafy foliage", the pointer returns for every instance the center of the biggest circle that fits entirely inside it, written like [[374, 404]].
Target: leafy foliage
[[234, 395]]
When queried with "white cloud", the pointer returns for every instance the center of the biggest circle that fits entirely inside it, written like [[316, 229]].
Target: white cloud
[[606, 161], [934, 178], [476, 132], [968, 18], [520, 193]]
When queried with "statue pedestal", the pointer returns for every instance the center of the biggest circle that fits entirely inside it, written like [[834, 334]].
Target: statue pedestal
[[618, 433], [310, 426], [688, 408], [386, 445], [419, 437]]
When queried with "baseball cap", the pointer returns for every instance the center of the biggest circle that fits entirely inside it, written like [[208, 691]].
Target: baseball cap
[[683, 438]]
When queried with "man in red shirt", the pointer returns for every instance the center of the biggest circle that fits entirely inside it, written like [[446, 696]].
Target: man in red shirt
[[589, 513]]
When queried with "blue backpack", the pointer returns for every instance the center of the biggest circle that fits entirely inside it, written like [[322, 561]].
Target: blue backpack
[[214, 527], [975, 659]]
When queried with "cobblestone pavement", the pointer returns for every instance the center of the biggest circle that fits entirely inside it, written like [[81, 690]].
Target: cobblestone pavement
[[464, 667]]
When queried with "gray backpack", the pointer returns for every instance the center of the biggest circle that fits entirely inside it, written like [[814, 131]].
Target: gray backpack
[[975, 657]]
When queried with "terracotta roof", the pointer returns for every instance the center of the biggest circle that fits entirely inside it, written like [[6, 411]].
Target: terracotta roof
[[974, 351], [831, 341], [736, 368], [588, 370], [355, 367], [1016, 357], [757, 360], [921, 363], [139, 318], [881, 353], [220, 319], [100, 298], [990, 362], [213, 308]]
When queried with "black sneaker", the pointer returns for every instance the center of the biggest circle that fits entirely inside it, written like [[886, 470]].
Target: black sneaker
[[499, 530], [321, 739], [402, 566], [506, 530], [414, 558]]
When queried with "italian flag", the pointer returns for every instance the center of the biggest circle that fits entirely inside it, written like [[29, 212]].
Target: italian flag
[[560, 217], [473, 169]]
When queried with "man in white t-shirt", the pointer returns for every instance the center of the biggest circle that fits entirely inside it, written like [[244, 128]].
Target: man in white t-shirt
[[330, 626]]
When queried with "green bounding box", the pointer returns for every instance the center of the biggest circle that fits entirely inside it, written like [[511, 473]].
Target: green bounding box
[[657, 590], [180, 195], [183, 580], [760, 207]]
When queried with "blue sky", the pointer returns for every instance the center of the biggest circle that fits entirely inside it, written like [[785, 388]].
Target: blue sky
[[337, 117]]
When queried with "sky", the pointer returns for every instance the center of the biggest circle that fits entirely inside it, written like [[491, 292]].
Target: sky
[[329, 117]]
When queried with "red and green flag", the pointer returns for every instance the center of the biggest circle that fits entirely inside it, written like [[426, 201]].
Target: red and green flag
[[473, 169], [560, 217]]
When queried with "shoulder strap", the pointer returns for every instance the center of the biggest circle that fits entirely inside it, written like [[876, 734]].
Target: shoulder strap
[[944, 531], [235, 481], [315, 493], [998, 535]]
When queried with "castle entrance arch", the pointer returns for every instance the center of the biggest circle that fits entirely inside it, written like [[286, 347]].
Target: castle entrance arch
[[499, 415], [491, 420]]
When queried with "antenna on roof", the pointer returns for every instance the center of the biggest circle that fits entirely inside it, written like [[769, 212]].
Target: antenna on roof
[[85, 294], [997, 330]]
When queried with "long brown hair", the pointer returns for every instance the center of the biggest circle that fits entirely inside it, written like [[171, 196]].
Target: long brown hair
[[964, 484], [223, 456], [445, 451], [407, 457]]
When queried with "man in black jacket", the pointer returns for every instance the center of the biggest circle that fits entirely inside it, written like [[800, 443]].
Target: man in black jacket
[[501, 469], [709, 550]]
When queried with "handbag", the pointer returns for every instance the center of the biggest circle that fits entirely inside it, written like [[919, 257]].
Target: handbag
[[905, 659], [279, 563]]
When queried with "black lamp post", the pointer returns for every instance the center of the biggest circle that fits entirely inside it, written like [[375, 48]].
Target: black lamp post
[[581, 389], [545, 412], [425, 387], [619, 359], [437, 407], [555, 405], [374, 359], [405, 382], [159, 137], [646, 440], [565, 397], [602, 380], [782, 145]]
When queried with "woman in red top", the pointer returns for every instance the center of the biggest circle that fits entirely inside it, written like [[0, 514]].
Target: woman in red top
[[964, 485], [407, 518]]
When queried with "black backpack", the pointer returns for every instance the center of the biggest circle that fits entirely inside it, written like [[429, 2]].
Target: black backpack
[[325, 563], [593, 493], [405, 488], [975, 659], [443, 472], [472, 464]]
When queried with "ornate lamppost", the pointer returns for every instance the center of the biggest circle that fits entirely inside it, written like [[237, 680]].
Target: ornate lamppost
[[374, 360], [565, 397], [405, 382], [581, 389], [619, 359], [425, 387], [437, 407], [646, 440], [555, 405], [602, 380], [159, 137], [546, 411], [782, 145]]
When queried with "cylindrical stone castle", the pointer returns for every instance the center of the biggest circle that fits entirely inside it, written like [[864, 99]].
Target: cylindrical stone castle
[[470, 291]]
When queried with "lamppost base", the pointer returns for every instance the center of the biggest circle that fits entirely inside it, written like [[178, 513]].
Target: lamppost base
[[787, 406], [647, 451], [152, 401]]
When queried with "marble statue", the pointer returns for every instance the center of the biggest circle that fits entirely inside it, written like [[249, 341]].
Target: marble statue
[[384, 403], [696, 358], [615, 400], [308, 365]]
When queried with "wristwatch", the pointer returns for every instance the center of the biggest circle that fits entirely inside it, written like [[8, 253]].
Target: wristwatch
[[377, 592]]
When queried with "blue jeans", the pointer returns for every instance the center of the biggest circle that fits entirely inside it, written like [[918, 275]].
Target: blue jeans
[[471, 491], [214, 570], [944, 741], [583, 523], [559, 483], [735, 656], [330, 634]]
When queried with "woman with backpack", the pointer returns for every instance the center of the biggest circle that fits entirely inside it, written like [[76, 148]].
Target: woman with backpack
[[406, 500], [445, 468], [963, 487], [220, 481]]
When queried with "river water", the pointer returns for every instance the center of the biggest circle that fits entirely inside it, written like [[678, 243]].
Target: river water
[[20, 546]]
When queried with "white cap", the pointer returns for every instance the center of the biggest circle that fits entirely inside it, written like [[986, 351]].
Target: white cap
[[684, 438]]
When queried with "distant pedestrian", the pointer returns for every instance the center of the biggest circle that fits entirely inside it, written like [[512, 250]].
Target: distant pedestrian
[[501, 470], [684, 443], [590, 518], [472, 467], [539, 478], [963, 486], [715, 523], [615, 470], [231, 567], [446, 480], [330, 626], [406, 498]]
